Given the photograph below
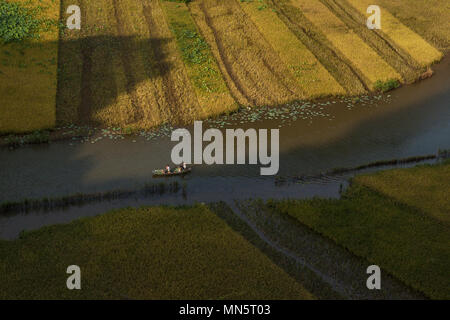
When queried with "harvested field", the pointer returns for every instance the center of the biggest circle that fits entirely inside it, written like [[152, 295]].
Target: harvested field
[[395, 56], [132, 73], [311, 76], [336, 64], [429, 18], [28, 76], [405, 231], [136, 64], [211, 90], [369, 65], [420, 50], [253, 69]]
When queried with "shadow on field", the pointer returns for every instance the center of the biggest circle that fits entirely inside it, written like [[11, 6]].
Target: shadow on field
[[95, 72]]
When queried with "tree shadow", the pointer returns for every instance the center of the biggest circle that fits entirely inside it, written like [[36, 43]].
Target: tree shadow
[[93, 72]]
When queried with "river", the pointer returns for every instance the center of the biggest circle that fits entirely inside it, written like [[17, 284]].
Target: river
[[411, 121]]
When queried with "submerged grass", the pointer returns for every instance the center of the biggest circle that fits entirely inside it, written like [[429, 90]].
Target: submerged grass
[[442, 155], [396, 219], [46, 204], [146, 253]]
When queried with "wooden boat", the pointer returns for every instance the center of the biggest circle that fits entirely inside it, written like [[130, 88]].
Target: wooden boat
[[161, 173]]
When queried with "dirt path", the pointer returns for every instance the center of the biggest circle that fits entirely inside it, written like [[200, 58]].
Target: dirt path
[[252, 69]]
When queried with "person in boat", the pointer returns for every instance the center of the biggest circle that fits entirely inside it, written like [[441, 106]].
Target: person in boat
[[167, 169]]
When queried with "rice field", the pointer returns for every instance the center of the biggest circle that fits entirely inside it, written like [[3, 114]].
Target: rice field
[[428, 18], [211, 90], [427, 188], [404, 230], [420, 50], [367, 63], [143, 253], [253, 68], [132, 75], [137, 64], [28, 78], [311, 75]]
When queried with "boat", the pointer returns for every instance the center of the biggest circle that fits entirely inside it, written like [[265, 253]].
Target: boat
[[161, 173]]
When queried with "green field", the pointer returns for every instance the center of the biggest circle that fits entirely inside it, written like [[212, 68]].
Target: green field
[[146, 253], [28, 76], [382, 218]]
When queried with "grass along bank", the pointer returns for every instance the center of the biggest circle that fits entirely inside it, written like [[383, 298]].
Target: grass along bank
[[78, 199], [146, 253], [28, 67], [382, 218]]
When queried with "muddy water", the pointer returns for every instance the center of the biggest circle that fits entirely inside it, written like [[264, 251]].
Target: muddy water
[[415, 121]]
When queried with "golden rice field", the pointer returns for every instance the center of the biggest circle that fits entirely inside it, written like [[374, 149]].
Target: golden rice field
[[367, 63], [406, 39], [312, 77], [141, 63], [428, 18]]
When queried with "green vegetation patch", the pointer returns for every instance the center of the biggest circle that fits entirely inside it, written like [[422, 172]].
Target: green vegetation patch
[[400, 238], [146, 253], [19, 22], [36, 137], [384, 86]]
